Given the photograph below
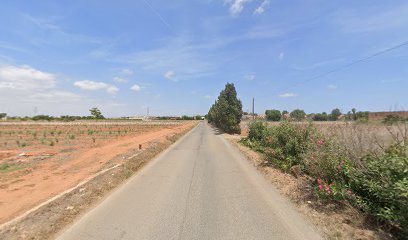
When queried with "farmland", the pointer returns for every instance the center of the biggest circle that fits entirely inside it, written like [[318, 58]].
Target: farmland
[[42, 159]]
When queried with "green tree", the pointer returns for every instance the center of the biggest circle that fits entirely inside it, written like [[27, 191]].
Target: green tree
[[298, 114], [273, 115], [3, 115], [354, 114], [320, 117], [362, 116], [335, 114], [96, 113], [226, 112]]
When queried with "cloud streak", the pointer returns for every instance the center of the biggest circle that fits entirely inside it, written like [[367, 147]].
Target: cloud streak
[[288, 95], [236, 6], [261, 9]]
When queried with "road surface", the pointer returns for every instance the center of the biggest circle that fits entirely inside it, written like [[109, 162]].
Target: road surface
[[200, 188]]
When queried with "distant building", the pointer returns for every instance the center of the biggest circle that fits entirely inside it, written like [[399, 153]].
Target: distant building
[[139, 118]]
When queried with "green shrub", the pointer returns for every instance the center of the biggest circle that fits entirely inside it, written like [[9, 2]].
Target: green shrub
[[289, 142], [298, 114], [381, 185], [273, 115], [393, 119], [376, 183], [284, 144], [257, 130]]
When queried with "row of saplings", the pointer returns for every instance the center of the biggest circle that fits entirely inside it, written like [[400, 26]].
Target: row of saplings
[[376, 183]]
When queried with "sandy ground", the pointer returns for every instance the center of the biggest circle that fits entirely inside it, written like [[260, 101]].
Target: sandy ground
[[50, 173]]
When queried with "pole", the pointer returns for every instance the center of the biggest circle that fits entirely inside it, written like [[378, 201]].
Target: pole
[[253, 108]]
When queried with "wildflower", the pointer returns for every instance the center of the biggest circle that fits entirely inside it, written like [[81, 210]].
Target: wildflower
[[319, 181], [320, 142], [327, 187], [349, 192]]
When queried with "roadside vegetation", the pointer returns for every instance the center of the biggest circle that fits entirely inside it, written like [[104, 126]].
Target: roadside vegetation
[[345, 165]]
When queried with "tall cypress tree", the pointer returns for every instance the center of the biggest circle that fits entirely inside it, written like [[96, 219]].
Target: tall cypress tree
[[226, 112]]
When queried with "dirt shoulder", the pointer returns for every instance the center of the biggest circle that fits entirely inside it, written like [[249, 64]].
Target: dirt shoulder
[[334, 220], [50, 218]]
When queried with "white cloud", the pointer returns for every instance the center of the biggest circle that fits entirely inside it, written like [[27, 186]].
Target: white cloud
[[281, 56], [135, 88], [29, 88], [208, 97], [288, 95], [120, 80], [127, 71], [262, 7], [236, 6], [112, 90], [170, 75], [249, 77], [332, 87], [93, 86], [25, 78]]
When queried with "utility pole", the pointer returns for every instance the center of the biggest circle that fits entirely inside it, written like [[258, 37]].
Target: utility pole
[[253, 108]]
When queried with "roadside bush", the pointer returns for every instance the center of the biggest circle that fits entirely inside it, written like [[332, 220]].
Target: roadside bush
[[257, 131], [381, 185], [283, 144], [376, 182]]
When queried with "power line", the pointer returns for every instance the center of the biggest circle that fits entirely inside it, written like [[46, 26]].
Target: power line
[[351, 64]]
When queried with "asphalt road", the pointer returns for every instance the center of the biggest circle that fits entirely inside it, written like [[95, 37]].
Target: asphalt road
[[200, 188]]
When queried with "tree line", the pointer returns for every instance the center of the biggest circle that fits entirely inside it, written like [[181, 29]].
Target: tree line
[[299, 114]]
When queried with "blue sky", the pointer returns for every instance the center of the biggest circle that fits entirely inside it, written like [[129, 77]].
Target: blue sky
[[64, 57]]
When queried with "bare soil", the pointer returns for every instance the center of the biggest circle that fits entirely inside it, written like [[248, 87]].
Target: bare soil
[[48, 171], [335, 220]]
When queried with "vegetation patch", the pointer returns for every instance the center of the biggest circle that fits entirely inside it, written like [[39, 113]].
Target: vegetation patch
[[376, 182], [7, 167]]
